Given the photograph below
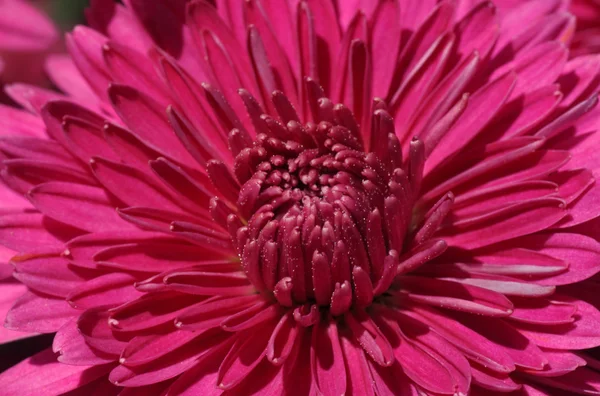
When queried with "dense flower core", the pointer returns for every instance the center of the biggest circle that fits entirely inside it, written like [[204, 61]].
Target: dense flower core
[[326, 220]]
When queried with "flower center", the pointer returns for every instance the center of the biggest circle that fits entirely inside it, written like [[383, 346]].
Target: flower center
[[327, 215]]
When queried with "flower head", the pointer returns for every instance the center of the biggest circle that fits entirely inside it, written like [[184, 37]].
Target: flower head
[[313, 197]]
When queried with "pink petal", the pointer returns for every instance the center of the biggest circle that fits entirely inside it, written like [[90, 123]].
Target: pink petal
[[147, 119], [478, 30], [360, 380], [42, 371], [572, 184], [493, 381], [184, 184], [417, 363], [451, 295], [577, 77], [509, 287], [523, 351], [584, 208], [9, 293], [194, 116], [244, 356], [154, 389], [142, 350], [85, 207], [48, 273], [35, 313], [284, 338], [66, 77], [443, 351], [202, 16], [539, 67], [38, 34], [94, 326], [516, 220], [578, 251], [582, 333], [106, 290], [118, 23], [327, 361], [150, 311], [40, 149], [255, 16], [213, 311], [252, 317], [159, 254], [99, 387], [31, 97], [477, 115], [485, 200], [131, 67], [131, 186], [410, 96], [472, 344], [201, 379], [582, 380], [55, 112], [164, 22], [441, 99], [437, 23], [386, 46], [85, 139], [17, 174], [85, 47], [82, 250], [517, 262], [73, 349], [17, 122], [152, 219], [370, 337], [27, 231], [559, 363], [526, 112], [542, 311]]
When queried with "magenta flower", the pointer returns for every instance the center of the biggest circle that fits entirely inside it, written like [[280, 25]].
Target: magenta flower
[[27, 35], [388, 197]]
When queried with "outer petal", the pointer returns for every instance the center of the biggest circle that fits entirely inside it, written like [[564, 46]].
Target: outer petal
[[9, 293], [42, 372], [39, 314]]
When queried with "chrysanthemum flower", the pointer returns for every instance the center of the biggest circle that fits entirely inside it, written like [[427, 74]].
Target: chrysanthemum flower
[[361, 197], [26, 37], [587, 36]]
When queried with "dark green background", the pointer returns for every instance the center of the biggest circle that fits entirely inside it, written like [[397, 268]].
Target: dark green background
[[66, 13]]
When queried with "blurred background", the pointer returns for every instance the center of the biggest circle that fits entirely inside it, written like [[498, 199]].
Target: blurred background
[[65, 13], [30, 31]]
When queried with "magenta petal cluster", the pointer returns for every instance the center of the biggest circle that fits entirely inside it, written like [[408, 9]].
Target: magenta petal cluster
[[313, 197], [587, 36], [586, 39]]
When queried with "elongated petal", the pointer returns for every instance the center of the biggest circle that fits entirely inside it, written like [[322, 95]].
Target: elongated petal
[[85, 207]]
